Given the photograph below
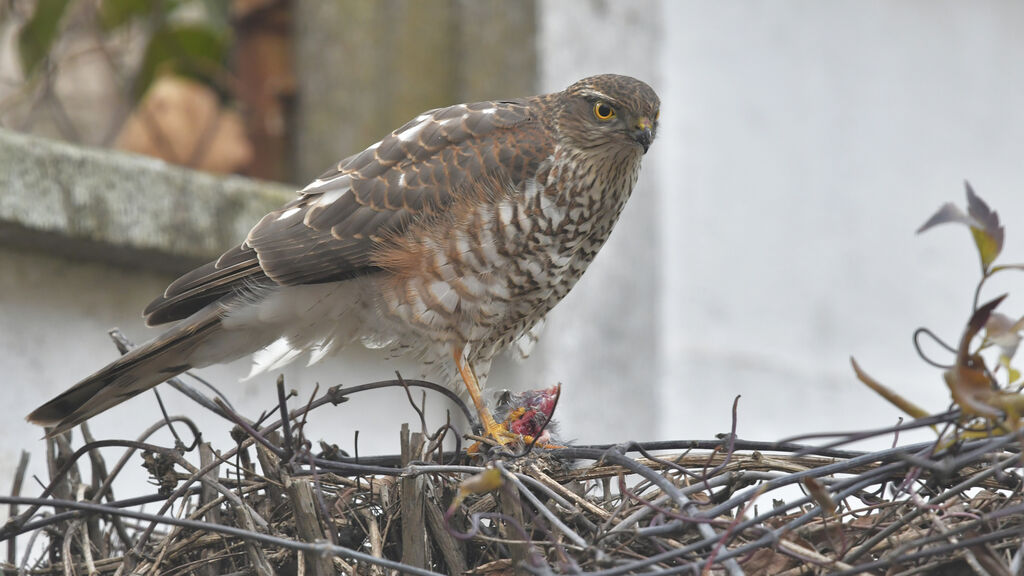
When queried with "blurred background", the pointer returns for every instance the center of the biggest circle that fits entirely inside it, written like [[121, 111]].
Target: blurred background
[[770, 238]]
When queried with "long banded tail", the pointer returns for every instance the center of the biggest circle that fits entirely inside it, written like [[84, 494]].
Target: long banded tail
[[139, 370]]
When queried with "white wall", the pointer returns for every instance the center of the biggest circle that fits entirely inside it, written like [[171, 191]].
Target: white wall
[[806, 141]]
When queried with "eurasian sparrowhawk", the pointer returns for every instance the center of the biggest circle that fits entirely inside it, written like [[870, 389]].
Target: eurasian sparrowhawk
[[450, 239]]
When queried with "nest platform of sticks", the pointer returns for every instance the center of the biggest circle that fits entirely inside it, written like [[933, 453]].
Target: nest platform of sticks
[[273, 505]]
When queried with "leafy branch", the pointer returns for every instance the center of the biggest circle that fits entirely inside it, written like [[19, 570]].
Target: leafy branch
[[985, 405]]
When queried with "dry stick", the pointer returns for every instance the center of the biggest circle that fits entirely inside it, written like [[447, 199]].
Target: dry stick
[[271, 471], [58, 476], [342, 567], [101, 482], [31, 543], [942, 528], [893, 459], [685, 504], [416, 469], [655, 505], [246, 514], [19, 478], [957, 529], [70, 468], [248, 535], [286, 423], [540, 487], [207, 495], [62, 479], [307, 526], [453, 551], [566, 493], [772, 536], [1008, 462], [65, 548], [255, 436], [928, 552], [325, 512], [373, 533], [576, 539], [245, 491], [751, 462], [1017, 563], [208, 460], [74, 529], [165, 545], [803, 553], [404, 382], [414, 531], [86, 540], [512, 507]]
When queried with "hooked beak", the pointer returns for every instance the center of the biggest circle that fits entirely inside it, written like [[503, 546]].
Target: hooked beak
[[643, 133]]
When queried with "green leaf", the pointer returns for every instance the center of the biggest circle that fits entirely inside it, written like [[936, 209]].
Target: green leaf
[[190, 50], [115, 13], [1001, 267], [989, 235], [988, 247], [1012, 373], [36, 38]]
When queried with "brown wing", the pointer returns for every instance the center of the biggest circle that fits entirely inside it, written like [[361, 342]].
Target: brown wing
[[328, 232]]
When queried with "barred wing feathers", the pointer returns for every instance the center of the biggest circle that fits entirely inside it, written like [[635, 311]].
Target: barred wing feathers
[[328, 233]]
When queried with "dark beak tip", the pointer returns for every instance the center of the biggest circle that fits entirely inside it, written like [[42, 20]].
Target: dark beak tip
[[644, 138]]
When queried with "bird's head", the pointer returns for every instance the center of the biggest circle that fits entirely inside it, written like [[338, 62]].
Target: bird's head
[[610, 112]]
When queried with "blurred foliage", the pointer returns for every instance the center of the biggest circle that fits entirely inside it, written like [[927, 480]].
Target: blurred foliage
[[39, 33], [115, 13], [205, 84], [194, 51], [187, 38]]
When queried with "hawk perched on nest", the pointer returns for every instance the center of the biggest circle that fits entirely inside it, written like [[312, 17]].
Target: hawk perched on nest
[[450, 239]]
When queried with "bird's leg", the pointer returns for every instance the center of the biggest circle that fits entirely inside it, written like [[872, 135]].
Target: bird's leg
[[499, 432], [491, 426]]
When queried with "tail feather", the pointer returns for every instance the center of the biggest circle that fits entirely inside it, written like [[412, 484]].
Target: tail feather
[[139, 370]]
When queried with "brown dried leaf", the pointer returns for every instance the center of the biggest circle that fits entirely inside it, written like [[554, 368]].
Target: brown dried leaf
[[768, 561], [969, 382], [865, 522], [889, 394], [820, 494], [499, 567]]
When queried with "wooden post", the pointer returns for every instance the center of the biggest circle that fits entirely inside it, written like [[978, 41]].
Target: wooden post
[[365, 68]]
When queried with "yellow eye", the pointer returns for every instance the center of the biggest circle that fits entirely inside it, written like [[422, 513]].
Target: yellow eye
[[603, 111]]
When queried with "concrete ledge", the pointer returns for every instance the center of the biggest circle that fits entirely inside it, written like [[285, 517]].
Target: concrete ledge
[[122, 208]]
